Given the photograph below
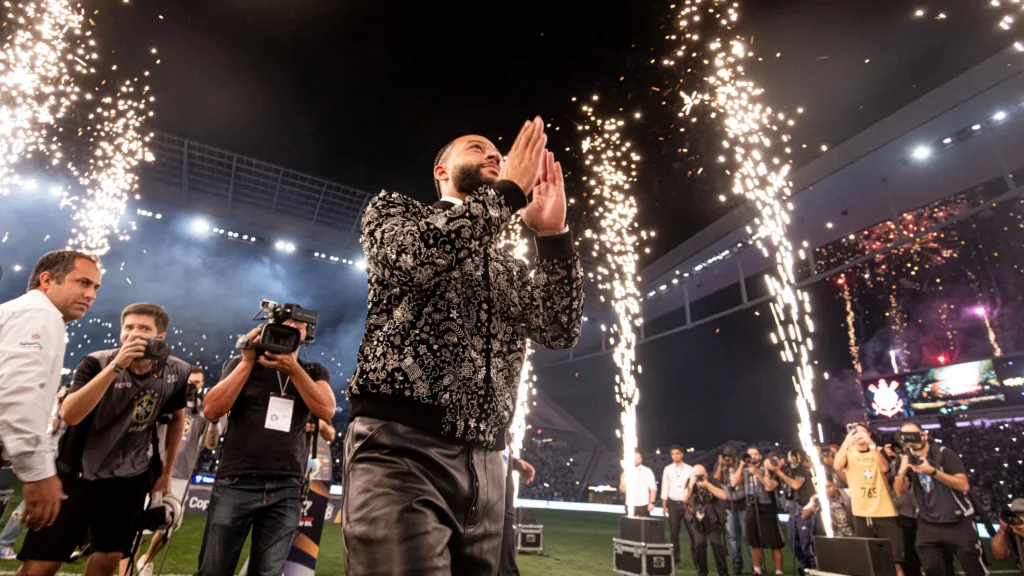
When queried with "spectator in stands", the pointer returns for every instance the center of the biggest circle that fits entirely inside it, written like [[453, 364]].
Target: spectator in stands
[[736, 506], [762, 511], [705, 511], [643, 488], [865, 467], [1009, 541], [939, 482], [674, 481]]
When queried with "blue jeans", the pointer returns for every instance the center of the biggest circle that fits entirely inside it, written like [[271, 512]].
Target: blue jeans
[[801, 540], [13, 528], [270, 506], [736, 527]]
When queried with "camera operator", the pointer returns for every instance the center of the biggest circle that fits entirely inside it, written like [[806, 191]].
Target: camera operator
[[906, 508], [105, 459], [762, 518], [62, 288], [736, 505], [865, 467], [939, 482], [263, 460], [199, 433], [705, 511], [674, 480], [799, 487], [1009, 540]]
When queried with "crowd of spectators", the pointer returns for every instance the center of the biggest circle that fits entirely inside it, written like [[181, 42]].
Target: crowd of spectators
[[558, 475]]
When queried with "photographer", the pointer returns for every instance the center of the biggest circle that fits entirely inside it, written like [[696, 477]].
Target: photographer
[[762, 518], [199, 433], [865, 467], [1009, 540], [705, 511], [799, 487], [939, 482], [736, 506], [105, 459], [674, 480], [269, 397]]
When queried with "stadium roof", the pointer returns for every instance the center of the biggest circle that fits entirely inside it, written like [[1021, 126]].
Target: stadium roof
[[967, 132]]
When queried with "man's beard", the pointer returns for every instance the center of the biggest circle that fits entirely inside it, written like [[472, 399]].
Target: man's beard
[[468, 178]]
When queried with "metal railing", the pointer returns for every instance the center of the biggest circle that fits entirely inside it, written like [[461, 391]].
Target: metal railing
[[206, 170]]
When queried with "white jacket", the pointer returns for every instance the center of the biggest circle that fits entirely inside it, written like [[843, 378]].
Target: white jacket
[[32, 344]]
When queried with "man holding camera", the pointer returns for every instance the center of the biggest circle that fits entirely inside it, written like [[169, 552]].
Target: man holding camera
[[450, 312], [762, 518], [268, 397], [105, 459], [736, 506], [938, 479], [865, 468], [199, 433], [705, 511], [796, 475], [674, 481], [1009, 540], [61, 288]]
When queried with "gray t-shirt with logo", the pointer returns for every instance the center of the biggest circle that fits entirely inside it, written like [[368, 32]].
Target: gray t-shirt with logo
[[119, 441], [192, 442]]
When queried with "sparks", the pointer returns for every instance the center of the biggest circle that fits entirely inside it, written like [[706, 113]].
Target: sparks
[[760, 177], [513, 240], [610, 168]]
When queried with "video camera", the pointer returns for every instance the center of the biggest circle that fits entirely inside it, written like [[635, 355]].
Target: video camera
[[276, 336]]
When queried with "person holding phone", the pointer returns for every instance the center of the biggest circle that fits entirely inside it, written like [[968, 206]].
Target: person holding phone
[[865, 467]]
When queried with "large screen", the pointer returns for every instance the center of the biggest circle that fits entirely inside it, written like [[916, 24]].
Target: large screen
[[942, 390]]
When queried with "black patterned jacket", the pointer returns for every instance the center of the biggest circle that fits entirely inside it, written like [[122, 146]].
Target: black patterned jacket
[[449, 313]]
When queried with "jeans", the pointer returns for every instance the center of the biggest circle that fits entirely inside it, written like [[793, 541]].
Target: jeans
[[269, 506], [736, 526], [13, 528], [801, 540]]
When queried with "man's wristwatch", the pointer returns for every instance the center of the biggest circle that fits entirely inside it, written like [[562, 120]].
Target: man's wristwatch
[[118, 369]]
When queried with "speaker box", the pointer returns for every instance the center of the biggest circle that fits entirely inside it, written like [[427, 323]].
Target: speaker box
[[855, 556], [645, 530]]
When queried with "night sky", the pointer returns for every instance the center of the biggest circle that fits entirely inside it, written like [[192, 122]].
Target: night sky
[[365, 93]]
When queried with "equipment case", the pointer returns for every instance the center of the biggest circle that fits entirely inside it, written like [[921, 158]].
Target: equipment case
[[640, 559]]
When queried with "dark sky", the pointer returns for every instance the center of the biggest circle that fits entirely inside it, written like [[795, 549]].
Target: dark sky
[[366, 92]]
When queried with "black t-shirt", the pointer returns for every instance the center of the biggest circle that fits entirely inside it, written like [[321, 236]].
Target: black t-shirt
[[704, 508], [937, 502], [115, 439], [252, 448], [803, 495]]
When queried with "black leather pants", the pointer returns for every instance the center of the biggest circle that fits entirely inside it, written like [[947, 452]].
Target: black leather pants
[[417, 504]]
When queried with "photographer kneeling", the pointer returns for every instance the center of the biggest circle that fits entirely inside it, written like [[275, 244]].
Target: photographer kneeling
[[268, 397], [938, 479], [104, 458], [705, 511]]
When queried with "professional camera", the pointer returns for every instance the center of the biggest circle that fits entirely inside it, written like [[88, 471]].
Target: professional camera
[[1010, 517], [156, 349], [747, 459], [276, 337], [903, 439], [700, 478]]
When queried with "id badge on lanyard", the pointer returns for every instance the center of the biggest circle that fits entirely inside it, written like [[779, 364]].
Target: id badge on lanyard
[[279, 413]]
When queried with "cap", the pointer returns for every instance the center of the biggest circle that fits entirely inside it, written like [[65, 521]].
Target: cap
[[1017, 506]]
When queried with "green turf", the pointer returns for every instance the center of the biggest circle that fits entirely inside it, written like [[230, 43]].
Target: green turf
[[575, 544]]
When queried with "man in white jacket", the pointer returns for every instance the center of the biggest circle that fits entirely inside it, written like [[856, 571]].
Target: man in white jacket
[[62, 288]]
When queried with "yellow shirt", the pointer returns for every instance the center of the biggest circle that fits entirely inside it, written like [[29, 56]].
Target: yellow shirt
[[869, 488]]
